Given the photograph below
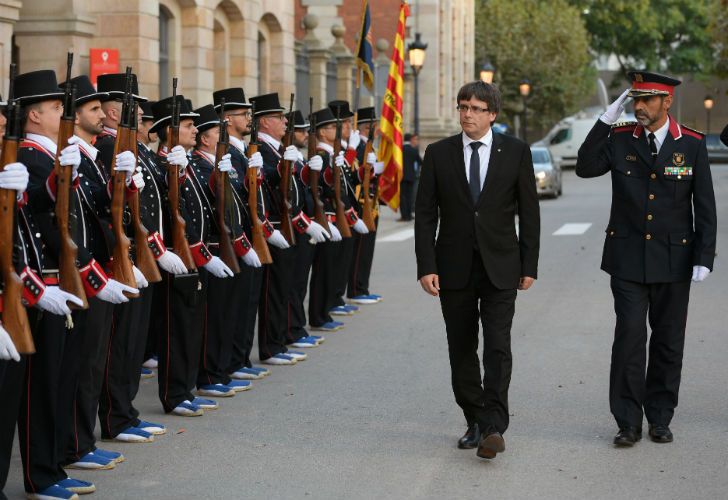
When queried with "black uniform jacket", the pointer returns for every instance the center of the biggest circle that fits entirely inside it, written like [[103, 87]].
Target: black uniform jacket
[[487, 226], [272, 165], [663, 218]]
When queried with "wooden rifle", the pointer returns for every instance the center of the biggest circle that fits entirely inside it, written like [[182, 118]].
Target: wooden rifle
[[314, 175], [121, 265], [145, 260], [15, 317], [259, 244], [69, 278], [341, 223], [223, 198], [367, 213], [178, 225], [286, 178]]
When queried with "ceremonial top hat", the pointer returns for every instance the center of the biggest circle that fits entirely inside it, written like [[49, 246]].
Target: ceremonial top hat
[[85, 92], [207, 118], [147, 113], [365, 115], [163, 112], [188, 102], [645, 84], [37, 86], [114, 84], [234, 99], [266, 104], [344, 111], [299, 121], [324, 117]]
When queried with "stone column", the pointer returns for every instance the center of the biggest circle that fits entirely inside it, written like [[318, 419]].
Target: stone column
[[318, 56], [345, 63], [9, 14], [198, 47]]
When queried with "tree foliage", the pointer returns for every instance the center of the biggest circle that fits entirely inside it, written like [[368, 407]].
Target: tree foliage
[[544, 42], [719, 32]]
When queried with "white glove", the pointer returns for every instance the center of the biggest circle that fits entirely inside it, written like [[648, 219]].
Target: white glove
[[316, 163], [114, 292], [291, 153], [225, 165], [378, 168], [317, 232], [251, 259], [360, 227], [54, 301], [277, 240], [354, 139], [138, 180], [126, 162], [339, 161], [218, 268], [255, 161], [7, 348], [178, 156], [71, 155], [300, 157], [141, 280], [15, 176], [700, 273], [371, 158], [615, 110], [170, 262], [335, 234]]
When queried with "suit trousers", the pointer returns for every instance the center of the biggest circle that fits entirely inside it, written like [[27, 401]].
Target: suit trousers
[[323, 282], [305, 252], [483, 401], [665, 306], [221, 313], [361, 267], [344, 263], [123, 364], [85, 356], [246, 289], [180, 339], [37, 418], [273, 313], [406, 191], [11, 387]]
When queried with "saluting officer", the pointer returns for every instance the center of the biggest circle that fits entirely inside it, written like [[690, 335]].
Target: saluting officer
[[661, 233]]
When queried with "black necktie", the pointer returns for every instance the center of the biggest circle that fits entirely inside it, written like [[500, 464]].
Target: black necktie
[[475, 171], [653, 146]]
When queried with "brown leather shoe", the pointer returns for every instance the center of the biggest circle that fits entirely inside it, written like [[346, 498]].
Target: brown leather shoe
[[491, 445]]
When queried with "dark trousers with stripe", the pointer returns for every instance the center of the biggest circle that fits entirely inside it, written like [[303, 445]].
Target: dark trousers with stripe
[[343, 268], [123, 364], [323, 282], [221, 314], [361, 267], [82, 374], [37, 418], [273, 310], [631, 388], [180, 339], [246, 287], [11, 387], [305, 252]]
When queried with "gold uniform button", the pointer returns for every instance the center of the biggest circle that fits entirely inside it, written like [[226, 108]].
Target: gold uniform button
[[629, 172], [611, 233], [652, 196], [653, 176], [684, 241], [649, 217], [648, 237]]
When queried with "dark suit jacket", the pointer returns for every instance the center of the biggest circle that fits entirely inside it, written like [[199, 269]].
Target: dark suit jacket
[[443, 196], [724, 136], [410, 157]]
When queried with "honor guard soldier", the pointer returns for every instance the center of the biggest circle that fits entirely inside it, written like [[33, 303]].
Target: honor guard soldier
[[661, 234]]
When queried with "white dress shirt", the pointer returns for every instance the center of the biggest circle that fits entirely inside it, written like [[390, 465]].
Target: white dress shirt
[[483, 154], [660, 135]]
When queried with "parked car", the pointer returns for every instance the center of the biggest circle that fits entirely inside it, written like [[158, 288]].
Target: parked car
[[717, 151], [548, 174]]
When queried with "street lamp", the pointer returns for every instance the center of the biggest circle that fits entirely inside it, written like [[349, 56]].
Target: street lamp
[[708, 103], [416, 51], [487, 72], [525, 89]]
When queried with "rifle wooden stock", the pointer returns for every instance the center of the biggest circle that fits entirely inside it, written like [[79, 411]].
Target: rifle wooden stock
[[341, 223], [223, 200], [69, 278], [285, 186], [367, 212], [313, 180], [259, 244], [15, 318], [179, 238]]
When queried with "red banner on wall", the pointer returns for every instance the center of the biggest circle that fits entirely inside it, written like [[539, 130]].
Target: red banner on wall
[[101, 62]]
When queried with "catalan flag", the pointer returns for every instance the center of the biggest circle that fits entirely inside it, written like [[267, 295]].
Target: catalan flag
[[390, 147], [364, 51]]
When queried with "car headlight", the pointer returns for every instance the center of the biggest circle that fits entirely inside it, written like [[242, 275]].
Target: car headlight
[[540, 175]]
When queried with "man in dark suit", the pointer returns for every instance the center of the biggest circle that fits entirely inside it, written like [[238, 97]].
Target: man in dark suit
[[661, 233], [411, 161], [474, 184]]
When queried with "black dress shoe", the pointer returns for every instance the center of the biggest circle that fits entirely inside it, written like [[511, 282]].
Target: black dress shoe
[[628, 436], [470, 438], [490, 445], [660, 433]]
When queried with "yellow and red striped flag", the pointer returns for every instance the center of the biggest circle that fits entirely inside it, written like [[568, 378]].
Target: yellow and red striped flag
[[390, 147]]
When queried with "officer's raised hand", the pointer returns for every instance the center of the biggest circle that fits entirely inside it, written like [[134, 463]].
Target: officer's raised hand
[[615, 110]]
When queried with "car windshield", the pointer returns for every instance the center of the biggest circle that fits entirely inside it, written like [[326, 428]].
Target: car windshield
[[540, 155]]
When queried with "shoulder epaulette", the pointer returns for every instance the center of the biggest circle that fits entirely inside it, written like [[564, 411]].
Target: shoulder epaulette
[[692, 132], [624, 125]]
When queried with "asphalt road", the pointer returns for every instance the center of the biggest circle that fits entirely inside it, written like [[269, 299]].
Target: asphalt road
[[371, 413]]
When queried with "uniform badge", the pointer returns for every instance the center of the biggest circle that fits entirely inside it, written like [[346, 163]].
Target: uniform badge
[[630, 158], [233, 174], [638, 78], [678, 159]]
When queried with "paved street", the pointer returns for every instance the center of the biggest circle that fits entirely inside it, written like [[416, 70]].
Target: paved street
[[371, 413]]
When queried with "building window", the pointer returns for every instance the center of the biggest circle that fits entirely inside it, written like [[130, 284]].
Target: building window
[[165, 20]]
